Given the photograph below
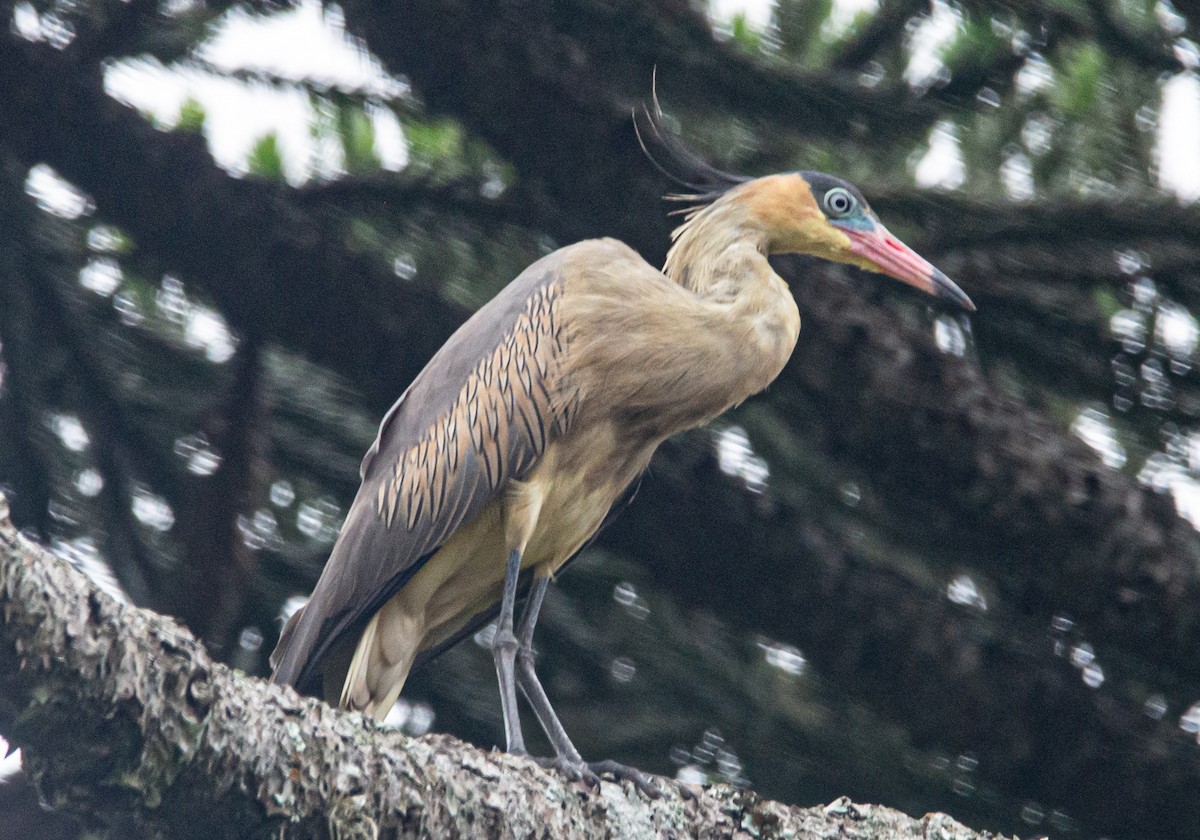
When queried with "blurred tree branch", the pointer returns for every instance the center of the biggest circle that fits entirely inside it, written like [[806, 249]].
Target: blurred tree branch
[[880, 31], [265, 260], [1149, 50], [218, 574]]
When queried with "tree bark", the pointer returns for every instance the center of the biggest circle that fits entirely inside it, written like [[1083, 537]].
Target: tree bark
[[123, 718]]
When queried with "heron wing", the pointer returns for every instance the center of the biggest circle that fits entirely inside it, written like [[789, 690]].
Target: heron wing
[[482, 411]]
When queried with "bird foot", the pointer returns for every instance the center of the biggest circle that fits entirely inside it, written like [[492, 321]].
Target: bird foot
[[590, 772], [623, 772], [576, 771]]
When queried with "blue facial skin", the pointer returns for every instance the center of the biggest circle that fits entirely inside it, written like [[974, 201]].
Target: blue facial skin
[[860, 218]]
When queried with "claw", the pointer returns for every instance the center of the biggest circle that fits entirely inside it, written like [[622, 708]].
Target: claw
[[685, 791], [576, 771], [622, 772], [590, 773], [645, 782]]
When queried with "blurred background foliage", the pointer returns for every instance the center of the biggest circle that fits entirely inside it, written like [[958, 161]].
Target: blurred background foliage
[[944, 563]]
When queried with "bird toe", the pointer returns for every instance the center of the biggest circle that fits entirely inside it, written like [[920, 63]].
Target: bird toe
[[623, 772], [576, 771]]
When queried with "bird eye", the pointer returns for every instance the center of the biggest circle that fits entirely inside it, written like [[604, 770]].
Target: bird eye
[[839, 202]]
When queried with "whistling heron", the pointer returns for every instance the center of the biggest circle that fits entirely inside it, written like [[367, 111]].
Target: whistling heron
[[510, 449]]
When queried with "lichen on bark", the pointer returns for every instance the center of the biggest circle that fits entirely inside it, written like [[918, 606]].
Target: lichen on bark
[[124, 719]]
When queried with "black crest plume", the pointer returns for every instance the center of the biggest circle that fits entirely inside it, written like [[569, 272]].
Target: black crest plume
[[702, 181]]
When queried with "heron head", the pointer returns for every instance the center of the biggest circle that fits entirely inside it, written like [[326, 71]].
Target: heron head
[[818, 214]]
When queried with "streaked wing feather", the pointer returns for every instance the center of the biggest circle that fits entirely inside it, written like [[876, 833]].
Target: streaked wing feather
[[482, 411]]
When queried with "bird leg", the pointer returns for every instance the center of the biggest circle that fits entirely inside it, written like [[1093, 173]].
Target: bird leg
[[504, 652], [531, 686], [567, 759]]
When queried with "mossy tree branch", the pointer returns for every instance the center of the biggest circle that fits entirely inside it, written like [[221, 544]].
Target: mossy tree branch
[[123, 717]]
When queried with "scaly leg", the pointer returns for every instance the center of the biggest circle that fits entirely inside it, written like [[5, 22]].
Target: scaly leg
[[531, 686], [504, 652], [567, 758]]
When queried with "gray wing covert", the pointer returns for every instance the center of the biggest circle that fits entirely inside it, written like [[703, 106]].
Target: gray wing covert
[[482, 411]]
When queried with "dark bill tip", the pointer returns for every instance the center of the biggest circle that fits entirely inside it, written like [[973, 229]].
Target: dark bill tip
[[945, 288]]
